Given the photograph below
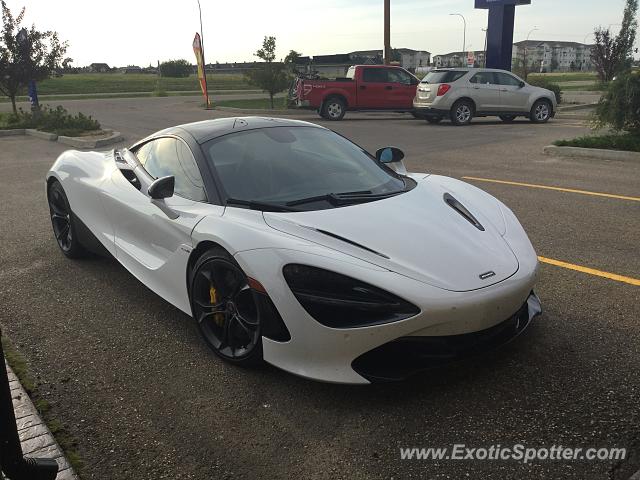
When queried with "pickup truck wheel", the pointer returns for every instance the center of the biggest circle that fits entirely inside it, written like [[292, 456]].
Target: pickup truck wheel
[[321, 113], [334, 109], [462, 113]]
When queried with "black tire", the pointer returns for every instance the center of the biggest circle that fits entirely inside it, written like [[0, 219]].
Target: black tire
[[321, 113], [63, 222], [507, 118], [225, 309], [462, 112], [334, 109], [434, 120], [541, 111]]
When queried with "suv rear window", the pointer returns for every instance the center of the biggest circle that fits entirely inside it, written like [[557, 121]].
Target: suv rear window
[[443, 76]]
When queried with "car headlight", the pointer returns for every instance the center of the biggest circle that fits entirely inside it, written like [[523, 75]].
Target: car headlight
[[338, 301]]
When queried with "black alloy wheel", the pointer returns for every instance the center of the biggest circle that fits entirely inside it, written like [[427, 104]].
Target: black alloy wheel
[[225, 309], [62, 220]]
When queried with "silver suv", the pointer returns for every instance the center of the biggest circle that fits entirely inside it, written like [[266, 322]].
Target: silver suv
[[464, 93]]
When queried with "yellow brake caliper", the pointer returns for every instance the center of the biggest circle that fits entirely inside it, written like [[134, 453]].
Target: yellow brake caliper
[[217, 317]]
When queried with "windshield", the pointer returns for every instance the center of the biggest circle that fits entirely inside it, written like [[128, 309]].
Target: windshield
[[282, 165], [443, 76]]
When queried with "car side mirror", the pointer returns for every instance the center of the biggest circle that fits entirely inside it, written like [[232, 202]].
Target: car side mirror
[[522, 84], [162, 188], [392, 157]]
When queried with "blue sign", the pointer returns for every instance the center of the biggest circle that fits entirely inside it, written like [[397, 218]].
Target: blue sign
[[33, 94], [495, 3]]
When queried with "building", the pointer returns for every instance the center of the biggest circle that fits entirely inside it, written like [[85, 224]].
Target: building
[[99, 68], [458, 59], [407, 57], [551, 56]]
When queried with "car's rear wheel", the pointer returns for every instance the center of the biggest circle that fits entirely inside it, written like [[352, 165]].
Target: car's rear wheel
[[462, 112], [334, 109], [63, 222], [434, 120], [507, 118], [225, 309], [541, 111]]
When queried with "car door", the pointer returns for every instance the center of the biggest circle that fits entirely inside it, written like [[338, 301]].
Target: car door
[[374, 88], [153, 237], [403, 88], [485, 92], [513, 97]]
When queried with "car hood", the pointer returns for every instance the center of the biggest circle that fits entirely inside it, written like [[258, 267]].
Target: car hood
[[416, 234]]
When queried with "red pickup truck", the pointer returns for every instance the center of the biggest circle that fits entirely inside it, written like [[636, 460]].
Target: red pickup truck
[[366, 87]]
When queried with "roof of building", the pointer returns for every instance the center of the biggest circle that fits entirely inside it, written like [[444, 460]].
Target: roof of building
[[535, 43], [460, 54]]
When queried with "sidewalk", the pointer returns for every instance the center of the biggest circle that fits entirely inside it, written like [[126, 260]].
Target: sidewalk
[[35, 437]]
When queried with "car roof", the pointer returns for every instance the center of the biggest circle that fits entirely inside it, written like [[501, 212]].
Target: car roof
[[209, 129]]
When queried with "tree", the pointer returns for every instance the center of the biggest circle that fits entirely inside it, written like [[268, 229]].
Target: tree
[[291, 58], [269, 76], [25, 54], [176, 68], [613, 55]]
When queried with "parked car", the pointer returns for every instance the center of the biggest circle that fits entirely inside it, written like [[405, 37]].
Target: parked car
[[290, 244], [464, 93], [366, 87]]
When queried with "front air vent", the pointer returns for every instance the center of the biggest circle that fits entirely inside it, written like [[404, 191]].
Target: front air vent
[[350, 242], [461, 209]]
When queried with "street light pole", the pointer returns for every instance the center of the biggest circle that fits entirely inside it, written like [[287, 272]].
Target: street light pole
[[204, 62], [464, 37], [526, 47], [387, 32]]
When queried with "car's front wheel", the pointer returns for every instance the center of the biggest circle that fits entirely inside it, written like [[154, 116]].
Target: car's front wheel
[[63, 222], [541, 111], [462, 112], [224, 306], [334, 109]]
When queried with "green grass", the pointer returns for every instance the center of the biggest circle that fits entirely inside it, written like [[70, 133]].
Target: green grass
[[134, 82], [596, 87], [19, 366], [567, 77], [254, 103], [626, 142]]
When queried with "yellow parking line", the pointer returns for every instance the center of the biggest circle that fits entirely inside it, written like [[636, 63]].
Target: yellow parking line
[[591, 271], [558, 189]]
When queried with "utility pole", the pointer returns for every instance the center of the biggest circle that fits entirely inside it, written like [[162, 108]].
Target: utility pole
[[387, 32]]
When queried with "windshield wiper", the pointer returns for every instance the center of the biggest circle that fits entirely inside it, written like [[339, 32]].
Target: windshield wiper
[[262, 206], [347, 198]]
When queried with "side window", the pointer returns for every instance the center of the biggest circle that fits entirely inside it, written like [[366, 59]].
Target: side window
[[508, 80], [143, 152], [168, 156], [399, 76], [375, 75], [483, 78]]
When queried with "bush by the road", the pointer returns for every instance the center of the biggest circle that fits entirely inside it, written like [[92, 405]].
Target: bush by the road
[[54, 120], [539, 81], [627, 142], [176, 68], [619, 108]]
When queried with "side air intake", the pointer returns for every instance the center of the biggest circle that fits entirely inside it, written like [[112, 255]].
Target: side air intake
[[461, 209]]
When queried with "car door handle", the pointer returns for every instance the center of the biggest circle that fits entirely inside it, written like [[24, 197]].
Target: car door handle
[[388, 87], [504, 90]]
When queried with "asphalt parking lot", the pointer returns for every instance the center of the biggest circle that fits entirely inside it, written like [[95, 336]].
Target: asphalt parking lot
[[129, 377]]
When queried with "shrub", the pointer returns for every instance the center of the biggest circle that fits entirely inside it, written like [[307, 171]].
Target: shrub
[[544, 83], [176, 68], [54, 120], [619, 108], [628, 142]]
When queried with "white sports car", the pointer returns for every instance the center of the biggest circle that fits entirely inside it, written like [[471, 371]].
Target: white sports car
[[286, 242]]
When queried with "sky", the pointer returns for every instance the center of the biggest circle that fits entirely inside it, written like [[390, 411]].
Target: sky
[[121, 32]]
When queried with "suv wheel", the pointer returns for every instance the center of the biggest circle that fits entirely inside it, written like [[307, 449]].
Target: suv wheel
[[462, 113], [541, 111]]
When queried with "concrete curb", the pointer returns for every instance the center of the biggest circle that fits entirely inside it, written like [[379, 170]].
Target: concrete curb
[[12, 133], [257, 111], [52, 137], [81, 142], [577, 152], [35, 438]]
